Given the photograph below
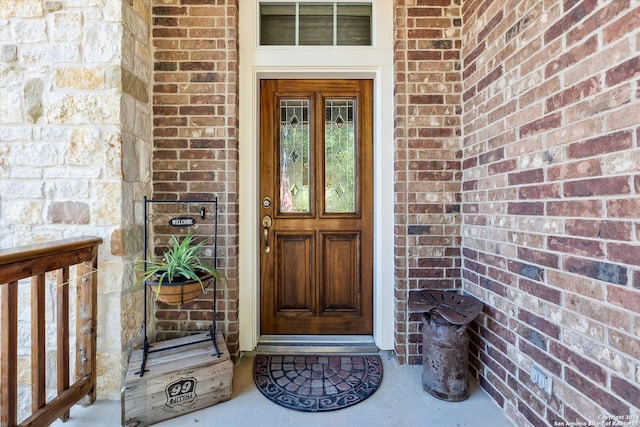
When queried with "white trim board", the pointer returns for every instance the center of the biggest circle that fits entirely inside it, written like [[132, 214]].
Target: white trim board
[[370, 62]]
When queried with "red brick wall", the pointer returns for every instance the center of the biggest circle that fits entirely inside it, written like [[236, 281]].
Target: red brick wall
[[516, 133], [428, 172], [195, 106], [551, 203]]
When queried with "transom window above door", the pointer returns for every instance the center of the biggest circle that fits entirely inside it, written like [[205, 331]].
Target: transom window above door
[[335, 23]]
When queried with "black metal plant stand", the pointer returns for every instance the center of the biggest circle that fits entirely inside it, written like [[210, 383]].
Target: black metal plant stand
[[181, 222]]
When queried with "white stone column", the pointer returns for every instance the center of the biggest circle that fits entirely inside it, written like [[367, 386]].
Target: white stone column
[[75, 147]]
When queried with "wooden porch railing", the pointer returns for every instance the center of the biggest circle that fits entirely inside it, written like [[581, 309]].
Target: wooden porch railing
[[35, 261]]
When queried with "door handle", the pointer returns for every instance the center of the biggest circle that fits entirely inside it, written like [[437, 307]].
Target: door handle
[[266, 224]]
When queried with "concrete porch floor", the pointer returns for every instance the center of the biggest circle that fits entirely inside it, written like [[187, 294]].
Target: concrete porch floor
[[400, 401]]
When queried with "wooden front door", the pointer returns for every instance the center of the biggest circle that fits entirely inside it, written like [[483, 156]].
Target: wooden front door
[[316, 213]]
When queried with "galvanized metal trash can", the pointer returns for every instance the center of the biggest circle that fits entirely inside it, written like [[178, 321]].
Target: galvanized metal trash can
[[445, 341], [445, 358]]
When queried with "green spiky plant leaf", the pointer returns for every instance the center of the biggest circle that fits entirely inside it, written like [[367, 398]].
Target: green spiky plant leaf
[[181, 262]]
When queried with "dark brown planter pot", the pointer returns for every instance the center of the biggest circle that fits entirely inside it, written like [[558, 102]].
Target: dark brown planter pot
[[179, 292]]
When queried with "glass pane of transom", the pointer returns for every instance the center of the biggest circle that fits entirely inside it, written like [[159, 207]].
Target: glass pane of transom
[[277, 24], [294, 155], [316, 24], [340, 156], [354, 25]]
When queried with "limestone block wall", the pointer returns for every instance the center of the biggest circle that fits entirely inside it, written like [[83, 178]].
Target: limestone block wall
[[551, 204], [136, 156], [428, 105], [75, 143]]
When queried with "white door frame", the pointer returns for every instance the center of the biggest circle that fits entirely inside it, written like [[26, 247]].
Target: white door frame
[[371, 62]]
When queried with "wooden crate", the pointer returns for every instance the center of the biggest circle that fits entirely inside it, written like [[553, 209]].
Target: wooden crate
[[178, 380]]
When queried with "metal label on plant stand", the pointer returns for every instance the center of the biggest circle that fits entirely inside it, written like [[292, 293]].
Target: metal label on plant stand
[[182, 221]]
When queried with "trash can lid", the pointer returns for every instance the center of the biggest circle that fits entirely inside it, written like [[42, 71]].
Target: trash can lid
[[454, 307]]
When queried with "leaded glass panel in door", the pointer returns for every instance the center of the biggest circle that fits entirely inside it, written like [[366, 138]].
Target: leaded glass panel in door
[[340, 156], [294, 155]]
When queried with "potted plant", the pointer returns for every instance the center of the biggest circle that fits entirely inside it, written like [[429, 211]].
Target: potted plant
[[180, 274]]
